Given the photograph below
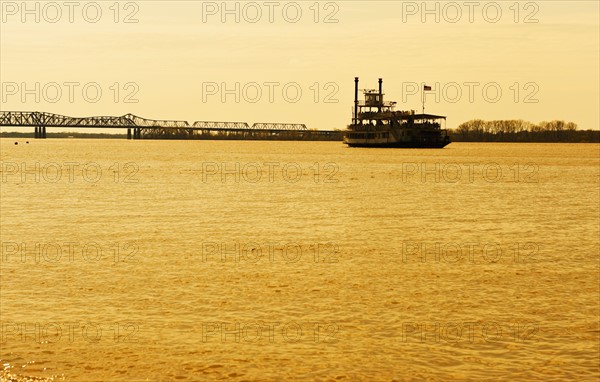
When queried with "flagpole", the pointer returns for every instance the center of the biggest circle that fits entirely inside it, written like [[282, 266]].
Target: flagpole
[[423, 96], [426, 88]]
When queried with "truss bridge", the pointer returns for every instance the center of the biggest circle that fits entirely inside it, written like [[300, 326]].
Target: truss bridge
[[143, 128]]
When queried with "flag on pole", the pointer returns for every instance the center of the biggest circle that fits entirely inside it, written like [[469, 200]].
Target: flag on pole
[[425, 89]]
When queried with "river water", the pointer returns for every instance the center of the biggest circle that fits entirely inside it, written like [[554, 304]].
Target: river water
[[239, 260]]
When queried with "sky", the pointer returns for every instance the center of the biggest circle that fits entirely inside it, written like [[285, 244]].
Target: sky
[[295, 62]]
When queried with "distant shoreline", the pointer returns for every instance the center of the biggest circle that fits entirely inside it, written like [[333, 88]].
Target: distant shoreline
[[581, 136], [68, 135]]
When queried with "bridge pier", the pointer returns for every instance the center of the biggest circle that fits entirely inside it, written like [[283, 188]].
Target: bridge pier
[[129, 133], [39, 132]]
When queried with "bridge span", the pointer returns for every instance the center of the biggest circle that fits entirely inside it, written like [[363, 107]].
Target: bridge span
[[143, 128]]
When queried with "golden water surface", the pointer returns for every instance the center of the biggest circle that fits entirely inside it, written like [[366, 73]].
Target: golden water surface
[[223, 260]]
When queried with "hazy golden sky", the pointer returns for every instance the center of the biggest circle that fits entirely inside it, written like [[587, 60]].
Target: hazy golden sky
[[179, 57]]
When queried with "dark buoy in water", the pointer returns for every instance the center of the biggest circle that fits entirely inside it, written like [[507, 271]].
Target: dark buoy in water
[[27, 142], [16, 143]]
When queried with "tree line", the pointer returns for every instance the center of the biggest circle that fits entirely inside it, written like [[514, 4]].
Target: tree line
[[478, 130]]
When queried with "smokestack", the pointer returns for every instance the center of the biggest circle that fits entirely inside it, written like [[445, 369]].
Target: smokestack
[[355, 100], [380, 94]]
